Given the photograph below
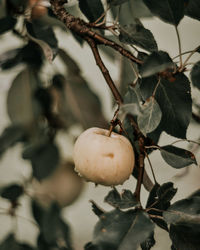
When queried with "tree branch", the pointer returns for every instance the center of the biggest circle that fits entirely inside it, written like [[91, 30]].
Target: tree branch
[[81, 28], [104, 70]]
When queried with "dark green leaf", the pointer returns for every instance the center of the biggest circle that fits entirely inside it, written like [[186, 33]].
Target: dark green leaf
[[96, 209], [44, 159], [41, 31], [37, 211], [127, 75], [91, 9], [124, 200], [169, 11], [177, 157], [148, 243], [10, 136], [156, 62], [136, 34], [7, 23], [184, 211], [54, 229], [9, 243], [116, 2], [195, 75], [72, 66], [12, 192], [150, 116], [79, 102], [193, 9], [21, 106], [132, 101], [24, 246], [174, 98], [159, 198], [122, 230], [185, 237]]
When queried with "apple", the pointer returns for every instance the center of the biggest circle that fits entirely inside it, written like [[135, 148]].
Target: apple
[[64, 186], [103, 159], [38, 11]]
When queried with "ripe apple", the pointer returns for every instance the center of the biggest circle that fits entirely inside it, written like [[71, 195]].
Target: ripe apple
[[64, 186], [103, 159]]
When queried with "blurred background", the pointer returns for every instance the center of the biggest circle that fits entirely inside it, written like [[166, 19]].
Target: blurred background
[[79, 215]]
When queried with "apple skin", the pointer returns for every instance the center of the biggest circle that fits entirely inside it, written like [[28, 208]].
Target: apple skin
[[38, 11], [64, 186], [102, 159]]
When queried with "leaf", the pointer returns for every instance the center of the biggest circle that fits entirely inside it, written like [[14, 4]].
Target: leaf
[[122, 230], [195, 75], [116, 2], [10, 136], [21, 106], [44, 158], [136, 34], [30, 54], [148, 243], [150, 116], [169, 11], [91, 9], [9, 243], [159, 199], [174, 98], [124, 200], [54, 229], [156, 62], [72, 66], [177, 157], [193, 9], [79, 102], [12, 192], [7, 23], [44, 32]]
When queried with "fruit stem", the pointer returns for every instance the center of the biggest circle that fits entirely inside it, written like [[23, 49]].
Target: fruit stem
[[110, 130]]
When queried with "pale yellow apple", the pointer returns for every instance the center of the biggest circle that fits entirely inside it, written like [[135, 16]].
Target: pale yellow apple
[[64, 187], [103, 159]]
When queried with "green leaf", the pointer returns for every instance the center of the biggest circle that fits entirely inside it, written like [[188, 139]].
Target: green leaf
[[159, 198], [72, 66], [195, 75], [177, 157], [12, 192], [122, 230], [91, 9], [9, 243], [155, 63], [174, 98], [44, 158], [79, 102], [193, 9], [148, 243], [43, 32], [124, 200], [21, 106], [10, 136], [116, 2], [136, 34], [54, 229], [150, 116], [169, 11], [6, 24]]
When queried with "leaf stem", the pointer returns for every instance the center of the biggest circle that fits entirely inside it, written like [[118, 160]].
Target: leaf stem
[[154, 177], [188, 58], [179, 46]]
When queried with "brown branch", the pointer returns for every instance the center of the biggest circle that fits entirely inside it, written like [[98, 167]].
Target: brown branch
[[81, 28], [104, 70]]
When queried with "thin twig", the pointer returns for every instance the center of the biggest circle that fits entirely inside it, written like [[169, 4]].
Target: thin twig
[[81, 28], [104, 70], [179, 46], [188, 58]]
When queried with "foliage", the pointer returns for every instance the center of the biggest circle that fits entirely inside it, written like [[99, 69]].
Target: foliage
[[155, 97]]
